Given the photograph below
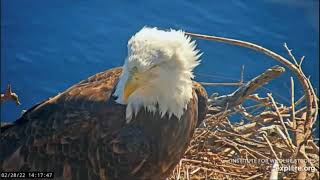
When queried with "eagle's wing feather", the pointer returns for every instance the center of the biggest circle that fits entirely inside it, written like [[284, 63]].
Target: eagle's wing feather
[[202, 101], [55, 134]]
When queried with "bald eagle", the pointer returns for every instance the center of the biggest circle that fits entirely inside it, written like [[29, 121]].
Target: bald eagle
[[131, 122]]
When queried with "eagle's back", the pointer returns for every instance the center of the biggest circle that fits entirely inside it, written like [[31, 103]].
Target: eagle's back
[[82, 134]]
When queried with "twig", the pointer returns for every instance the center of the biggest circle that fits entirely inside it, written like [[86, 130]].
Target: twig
[[286, 140], [245, 114], [301, 61], [293, 112], [240, 83], [290, 54], [254, 176], [221, 84], [232, 143], [221, 172], [281, 119], [270, 146], [237, 97], [300, 140], [264, 101]]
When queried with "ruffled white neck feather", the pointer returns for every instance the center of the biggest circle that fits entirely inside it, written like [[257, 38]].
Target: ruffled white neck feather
[[166, 59]]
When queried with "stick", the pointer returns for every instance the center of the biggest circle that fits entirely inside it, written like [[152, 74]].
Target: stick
[[220, 172], [290, 54], [237, 97], [293, 112], [221, 84], [270, 146], [281, 119], [240, 83], [254, 176]]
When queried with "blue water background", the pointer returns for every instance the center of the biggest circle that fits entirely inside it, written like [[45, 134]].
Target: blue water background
[[47, 46]]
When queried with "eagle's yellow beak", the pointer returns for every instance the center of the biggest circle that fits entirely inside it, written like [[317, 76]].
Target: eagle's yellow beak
[[133, 83], [137, 79]]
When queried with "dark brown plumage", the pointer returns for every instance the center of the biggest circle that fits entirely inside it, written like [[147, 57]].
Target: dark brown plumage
[[82, 134]]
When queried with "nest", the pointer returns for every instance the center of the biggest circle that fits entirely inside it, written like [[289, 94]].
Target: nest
[[224, 150], [269, 140]]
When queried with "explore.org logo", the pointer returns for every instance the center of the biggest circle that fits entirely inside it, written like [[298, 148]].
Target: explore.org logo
[[285, 165]]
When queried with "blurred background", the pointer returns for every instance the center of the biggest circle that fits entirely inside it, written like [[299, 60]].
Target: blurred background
[[47, 46]]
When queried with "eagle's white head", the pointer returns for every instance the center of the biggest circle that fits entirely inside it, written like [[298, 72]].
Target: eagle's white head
[[157, 74]]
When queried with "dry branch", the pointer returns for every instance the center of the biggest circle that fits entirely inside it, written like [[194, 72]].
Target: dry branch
[[243, 92], [281, 119]]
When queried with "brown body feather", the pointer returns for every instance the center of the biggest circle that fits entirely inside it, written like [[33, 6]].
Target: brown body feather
[[82, 134]]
